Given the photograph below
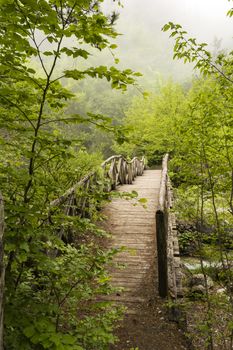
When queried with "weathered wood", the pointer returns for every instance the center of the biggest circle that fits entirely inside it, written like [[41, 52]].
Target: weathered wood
[[2, 271], [116, 171], [161, 234], [134, 228], [62, 199], [163, 185], [167, 242]]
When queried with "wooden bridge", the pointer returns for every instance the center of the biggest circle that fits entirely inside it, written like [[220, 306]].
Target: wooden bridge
[[133, 227], [148, 268]]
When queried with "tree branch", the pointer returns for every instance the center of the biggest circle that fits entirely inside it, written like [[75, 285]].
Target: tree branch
[[22, 112]]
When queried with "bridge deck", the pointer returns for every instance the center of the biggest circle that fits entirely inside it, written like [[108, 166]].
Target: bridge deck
[[133, 227]]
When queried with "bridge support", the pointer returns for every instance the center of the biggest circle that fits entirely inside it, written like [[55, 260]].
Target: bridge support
[[161, 233], [169, 266]]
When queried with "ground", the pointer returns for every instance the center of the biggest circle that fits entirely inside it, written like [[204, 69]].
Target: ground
[[145, 326], [150, 329]]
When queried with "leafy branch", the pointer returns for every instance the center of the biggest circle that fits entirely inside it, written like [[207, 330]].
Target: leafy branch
[[190, 51]]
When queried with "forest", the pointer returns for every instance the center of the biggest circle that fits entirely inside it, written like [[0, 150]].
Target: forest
[[68, 102]]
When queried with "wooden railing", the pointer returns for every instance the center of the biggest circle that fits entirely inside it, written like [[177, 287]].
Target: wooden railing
[[116, 170], [169, 269], [121, 171]]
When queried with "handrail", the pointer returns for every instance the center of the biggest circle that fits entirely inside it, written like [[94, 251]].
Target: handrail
[[163, 184], [169, 272], [121, 171], [116, 171], [59, 201]]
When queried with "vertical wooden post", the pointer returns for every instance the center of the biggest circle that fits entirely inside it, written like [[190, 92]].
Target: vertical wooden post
[[2, 271], [161, 233]]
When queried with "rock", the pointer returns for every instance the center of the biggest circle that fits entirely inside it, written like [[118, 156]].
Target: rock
[[176, 313], [199, 280], [221, 291], [185, 271], [198, 289]]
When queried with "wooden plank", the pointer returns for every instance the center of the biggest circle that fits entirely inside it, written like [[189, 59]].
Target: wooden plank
[[134, 263], [135, 228]]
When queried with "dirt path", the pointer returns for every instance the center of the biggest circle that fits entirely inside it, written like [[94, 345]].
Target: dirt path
[[145, 325], [149, 329]]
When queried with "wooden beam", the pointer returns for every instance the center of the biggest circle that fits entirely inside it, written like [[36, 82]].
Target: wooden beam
[[161, 234]]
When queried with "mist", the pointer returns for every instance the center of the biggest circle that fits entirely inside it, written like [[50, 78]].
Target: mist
[[145, 48]]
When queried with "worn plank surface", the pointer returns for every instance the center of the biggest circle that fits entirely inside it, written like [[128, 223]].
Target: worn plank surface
[[145, 325], [134, 228]]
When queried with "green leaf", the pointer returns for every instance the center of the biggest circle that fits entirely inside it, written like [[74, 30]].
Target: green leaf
[[68, 339], [166, 27], [173, 34], [24, 246], [142, 200], [113, 46], [29, 331], [48, 53], [30, 70]]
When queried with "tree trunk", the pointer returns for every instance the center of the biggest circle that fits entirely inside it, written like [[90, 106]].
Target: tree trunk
[[2, 270]]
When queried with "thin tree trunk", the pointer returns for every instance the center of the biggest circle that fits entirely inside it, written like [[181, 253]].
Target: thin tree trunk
[[2, 270]]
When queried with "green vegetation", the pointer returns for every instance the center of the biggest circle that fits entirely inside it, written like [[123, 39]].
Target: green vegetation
[[195, 126], [52, 287], [151, 122], [55, 129]]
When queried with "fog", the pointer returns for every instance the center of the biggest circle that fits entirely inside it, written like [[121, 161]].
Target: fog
[[143, 47]]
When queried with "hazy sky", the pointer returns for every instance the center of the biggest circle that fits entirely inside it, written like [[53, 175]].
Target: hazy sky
[[204, 18], [146, 48]]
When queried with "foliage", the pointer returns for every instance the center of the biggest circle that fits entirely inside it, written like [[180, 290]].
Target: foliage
[[202, 168], [52, 278], [148, 120], [111, 103], [187, 242], [195, 127], [190, 51], [49, 308]]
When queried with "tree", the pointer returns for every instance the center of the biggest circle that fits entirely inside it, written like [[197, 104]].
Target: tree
[[2, 270], [202, 168], [48, 300], [158, 116]]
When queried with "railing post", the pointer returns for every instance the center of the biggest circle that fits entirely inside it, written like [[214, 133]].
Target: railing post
[[161, 233]]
